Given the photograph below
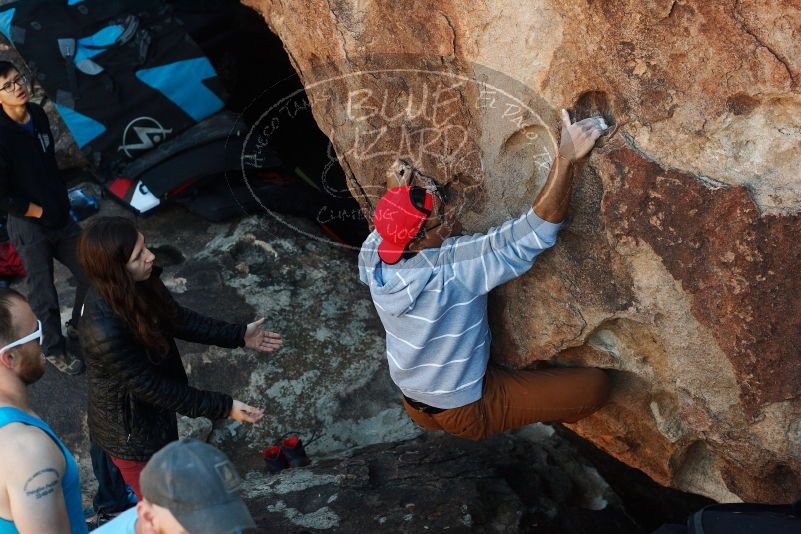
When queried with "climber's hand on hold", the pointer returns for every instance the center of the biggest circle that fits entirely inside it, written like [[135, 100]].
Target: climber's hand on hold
[[399, 173], [578, 139]]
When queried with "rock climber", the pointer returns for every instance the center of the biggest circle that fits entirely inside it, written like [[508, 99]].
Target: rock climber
[[429, 285]]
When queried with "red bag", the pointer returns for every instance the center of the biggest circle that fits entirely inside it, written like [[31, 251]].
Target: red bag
[[10, 262]]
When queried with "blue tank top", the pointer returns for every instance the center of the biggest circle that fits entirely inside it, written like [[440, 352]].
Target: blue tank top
[[70, 484]]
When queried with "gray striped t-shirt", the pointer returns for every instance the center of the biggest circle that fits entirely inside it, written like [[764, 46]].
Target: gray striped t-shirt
[[434, 305]]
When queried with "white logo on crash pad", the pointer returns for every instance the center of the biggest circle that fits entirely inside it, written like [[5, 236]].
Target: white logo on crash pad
[[148, 132]]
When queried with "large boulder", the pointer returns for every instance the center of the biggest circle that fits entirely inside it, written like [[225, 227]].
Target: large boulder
[[678, 269]]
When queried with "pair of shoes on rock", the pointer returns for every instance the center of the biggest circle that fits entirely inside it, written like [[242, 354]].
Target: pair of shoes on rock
[[285, 453]]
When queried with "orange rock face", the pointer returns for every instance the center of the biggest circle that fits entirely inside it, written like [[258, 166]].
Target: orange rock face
[[678, 270]]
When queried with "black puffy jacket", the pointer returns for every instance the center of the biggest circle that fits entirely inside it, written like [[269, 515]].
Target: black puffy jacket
[[133, 401]]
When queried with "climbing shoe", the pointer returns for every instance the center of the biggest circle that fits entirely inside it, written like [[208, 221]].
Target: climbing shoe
[[274, 459], [293, 452], [286, 452]]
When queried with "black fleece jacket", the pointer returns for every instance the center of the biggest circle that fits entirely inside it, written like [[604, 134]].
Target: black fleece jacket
[[28, 171], [133, 398]]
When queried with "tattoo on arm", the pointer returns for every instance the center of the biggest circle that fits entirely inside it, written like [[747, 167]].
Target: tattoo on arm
[[42, 483]]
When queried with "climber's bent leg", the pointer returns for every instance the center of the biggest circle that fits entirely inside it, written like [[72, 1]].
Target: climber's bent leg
[[514, 398]]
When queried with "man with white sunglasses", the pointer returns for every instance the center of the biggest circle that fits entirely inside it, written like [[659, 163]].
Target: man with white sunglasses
[[40, 491]]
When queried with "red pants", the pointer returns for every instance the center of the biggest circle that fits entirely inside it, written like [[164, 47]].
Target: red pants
[[130, 471], [513, 398]]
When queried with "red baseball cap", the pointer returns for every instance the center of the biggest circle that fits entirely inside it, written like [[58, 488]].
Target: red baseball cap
[[398, 218]]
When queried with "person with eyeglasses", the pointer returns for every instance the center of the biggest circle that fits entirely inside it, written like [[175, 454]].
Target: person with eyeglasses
[[429, 285], [40, 490], [39, 225]]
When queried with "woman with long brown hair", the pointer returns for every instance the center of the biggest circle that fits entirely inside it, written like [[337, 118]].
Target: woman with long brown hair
[[137, 381]]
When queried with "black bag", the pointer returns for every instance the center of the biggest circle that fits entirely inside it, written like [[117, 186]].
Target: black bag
[[741, 518], [124, 74], [746, 518]]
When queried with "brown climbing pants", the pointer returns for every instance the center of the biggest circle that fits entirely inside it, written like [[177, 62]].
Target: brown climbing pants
[[514, 398]]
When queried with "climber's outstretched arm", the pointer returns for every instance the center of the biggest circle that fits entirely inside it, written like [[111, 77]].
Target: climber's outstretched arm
[[577, 140]]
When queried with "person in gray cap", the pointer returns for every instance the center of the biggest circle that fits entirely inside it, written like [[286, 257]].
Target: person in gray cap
[[188, 487]]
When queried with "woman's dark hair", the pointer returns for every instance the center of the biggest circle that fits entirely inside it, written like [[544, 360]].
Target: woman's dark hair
[[105, 246]]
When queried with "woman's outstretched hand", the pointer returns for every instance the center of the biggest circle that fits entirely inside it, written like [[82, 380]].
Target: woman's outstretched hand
[[262, 340], [579, 138], [245, 414]]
